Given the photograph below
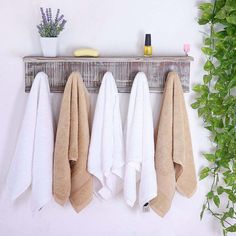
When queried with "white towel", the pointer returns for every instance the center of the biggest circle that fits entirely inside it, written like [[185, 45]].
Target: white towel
[[106, 152], [33, 158], [140, 145]]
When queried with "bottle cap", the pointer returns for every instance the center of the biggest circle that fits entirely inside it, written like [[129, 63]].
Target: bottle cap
[[148, 40]]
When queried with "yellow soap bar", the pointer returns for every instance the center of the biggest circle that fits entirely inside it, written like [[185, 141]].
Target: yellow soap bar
[[86, 52]]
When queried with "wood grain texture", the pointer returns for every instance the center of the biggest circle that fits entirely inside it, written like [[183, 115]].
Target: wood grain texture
[[92, 70]]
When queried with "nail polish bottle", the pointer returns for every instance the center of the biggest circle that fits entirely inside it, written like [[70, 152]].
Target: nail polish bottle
[[148, 46]]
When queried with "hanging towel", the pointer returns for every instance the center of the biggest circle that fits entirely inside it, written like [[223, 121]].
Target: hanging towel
[[71, 179], [140, 145], [174, 157], [32, 161], [106, 152]]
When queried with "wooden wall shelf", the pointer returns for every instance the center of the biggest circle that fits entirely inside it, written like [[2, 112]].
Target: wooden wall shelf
[[92, 70]]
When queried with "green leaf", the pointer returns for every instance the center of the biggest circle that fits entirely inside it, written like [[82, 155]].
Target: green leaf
[[207, 78], [231, 30], [231, 19], [230, 5], [195, 105], [207, 50], [228, 191], [206, 16], [231, 212], [204, 20], [206, 7], [222, 13], [204, 173], [208, 66], [210, 128], [219, 86], [232, 83], [232, 197], [197, 88], [234, 167], [208, 41], [231, 228], [219, 124], [201, 111], [210, 157], [220, 190], [216, 200], [210, 195]]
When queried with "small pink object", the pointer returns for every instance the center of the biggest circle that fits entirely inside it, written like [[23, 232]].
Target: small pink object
[[186, 48]]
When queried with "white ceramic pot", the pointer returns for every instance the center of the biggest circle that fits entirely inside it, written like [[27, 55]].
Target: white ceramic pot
[[49, 46]]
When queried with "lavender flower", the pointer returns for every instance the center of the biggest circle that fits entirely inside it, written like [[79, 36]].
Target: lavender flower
[[61, 17], [62, 24], [49, 27], [57, 15], [48, 14], [44, 18]]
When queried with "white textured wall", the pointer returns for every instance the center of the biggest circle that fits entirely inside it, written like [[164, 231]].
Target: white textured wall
[[114, 27]]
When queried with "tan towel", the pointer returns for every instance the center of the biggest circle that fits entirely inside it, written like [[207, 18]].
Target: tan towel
[[71, 179], [174, 157]]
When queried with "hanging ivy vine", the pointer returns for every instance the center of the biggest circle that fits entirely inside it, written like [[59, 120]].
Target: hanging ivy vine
[[216, 105]]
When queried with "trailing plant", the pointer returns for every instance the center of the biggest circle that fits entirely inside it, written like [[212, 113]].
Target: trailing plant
[[216, 105], [50, 27]]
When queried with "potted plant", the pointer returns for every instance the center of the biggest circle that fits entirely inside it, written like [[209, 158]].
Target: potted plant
[[49, 29]]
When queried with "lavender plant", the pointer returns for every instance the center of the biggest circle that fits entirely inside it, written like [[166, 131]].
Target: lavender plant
[[50, 27]]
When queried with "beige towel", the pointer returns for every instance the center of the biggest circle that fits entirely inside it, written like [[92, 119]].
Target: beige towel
[[174, 157], [71, 179]]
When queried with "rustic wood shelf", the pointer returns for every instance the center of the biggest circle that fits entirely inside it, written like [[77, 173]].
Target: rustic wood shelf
[[92, 70]]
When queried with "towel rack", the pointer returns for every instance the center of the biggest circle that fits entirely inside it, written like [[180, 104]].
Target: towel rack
[[92, 70]]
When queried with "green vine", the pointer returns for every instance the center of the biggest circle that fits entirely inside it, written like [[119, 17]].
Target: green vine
[[216, 105]]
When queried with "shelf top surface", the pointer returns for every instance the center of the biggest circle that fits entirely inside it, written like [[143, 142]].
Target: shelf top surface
[[109, 59]]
